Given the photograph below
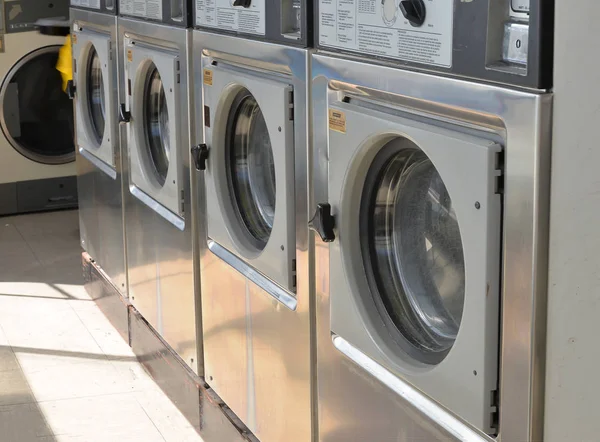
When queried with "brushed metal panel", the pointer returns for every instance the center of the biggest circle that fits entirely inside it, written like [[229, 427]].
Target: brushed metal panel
[[258, 353], [100, 195], [354, 406], [107, 297], [161, 270]]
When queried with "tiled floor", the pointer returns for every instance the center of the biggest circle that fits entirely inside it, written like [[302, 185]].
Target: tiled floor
[[65, 372]]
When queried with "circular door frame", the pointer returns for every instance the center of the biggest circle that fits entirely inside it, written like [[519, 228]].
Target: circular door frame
[[86, 138], [275, 260], [467, 165], [54, 160], [139, 60]]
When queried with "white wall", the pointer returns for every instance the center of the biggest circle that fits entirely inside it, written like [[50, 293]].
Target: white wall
[[573, 346]]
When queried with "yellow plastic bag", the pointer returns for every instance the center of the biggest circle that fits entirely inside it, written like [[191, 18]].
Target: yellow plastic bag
[[65, 64]]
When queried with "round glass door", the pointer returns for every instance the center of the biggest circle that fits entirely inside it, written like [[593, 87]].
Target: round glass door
[[95, 95], [251, 169], [156, 125], [37, 116], [413, 253]]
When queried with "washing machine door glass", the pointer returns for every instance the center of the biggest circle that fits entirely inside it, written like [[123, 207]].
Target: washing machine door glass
[[413, 252], [251, 168], [37, 116], [95, 93], [156, 125]]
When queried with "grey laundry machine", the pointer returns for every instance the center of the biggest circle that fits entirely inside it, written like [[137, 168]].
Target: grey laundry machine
[[37, 153], [96, 89], [251, 92], [429, 197], [159, 217]]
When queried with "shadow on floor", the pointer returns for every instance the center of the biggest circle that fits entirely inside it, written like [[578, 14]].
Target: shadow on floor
[[21, 419]]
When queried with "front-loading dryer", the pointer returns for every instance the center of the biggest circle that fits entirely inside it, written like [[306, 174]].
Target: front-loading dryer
[[159, 216], [426, 194], [37, 154], [96, 90], [250, 69]]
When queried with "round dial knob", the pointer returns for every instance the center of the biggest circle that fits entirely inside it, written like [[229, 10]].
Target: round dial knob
[[413, 11], [242, 3]]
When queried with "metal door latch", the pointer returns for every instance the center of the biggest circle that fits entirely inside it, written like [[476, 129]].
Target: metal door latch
[[124, 114], [200, 155], [71, 89], [323, 222]]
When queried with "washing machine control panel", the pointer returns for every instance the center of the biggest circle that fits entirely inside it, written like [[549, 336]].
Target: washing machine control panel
[[280, 21], [483, 39]]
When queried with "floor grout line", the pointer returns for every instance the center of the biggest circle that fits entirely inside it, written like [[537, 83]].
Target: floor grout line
[[37, 258]]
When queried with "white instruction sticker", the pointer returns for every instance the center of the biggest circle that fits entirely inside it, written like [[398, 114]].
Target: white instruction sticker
[[377, 27], [223, 15], [151, 9]]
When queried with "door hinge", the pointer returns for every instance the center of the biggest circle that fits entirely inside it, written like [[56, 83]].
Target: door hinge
[[495, 411], [499, 173], [291, 105], [182, 202]]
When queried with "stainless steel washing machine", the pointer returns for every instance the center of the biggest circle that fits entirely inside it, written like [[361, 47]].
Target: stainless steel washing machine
[[158, 212], [96, 90], [37, 153], [251, 93], [430, 199]]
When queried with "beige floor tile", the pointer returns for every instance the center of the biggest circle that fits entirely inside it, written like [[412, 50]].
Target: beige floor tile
[[104, 418], [53, 377], [51, 324], [15, 255], [14, 388], [173, 426], [8, 360], [24, 423], [62, 223], [106, 336]]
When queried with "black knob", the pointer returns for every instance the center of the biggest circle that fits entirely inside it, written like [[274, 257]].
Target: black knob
[[323, 222], [200, 155], [413, 11], [70, 90], [242, 3], [124, 114]]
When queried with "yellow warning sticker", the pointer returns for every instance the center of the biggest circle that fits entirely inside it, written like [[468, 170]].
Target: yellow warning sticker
[[337, 120], [129, 55], [208, 77]]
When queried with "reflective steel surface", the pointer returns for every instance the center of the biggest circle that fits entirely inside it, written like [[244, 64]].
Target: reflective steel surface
[[161, 269], [100, 193], [356, 405], [258, 351]]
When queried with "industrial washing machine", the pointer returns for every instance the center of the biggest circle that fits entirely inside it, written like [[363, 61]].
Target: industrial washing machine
[[96, 90], [37, 153], [250, 70], [159, 216], [429, 199]]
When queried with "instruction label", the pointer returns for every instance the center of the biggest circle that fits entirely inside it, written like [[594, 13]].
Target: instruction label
[[92, 4], [151, 9], [208, 77], [377, 27], [337, 120], [223, 15]]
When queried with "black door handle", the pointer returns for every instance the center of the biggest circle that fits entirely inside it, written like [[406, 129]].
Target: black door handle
[[200, 155], [124, 114], [323, 222]]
